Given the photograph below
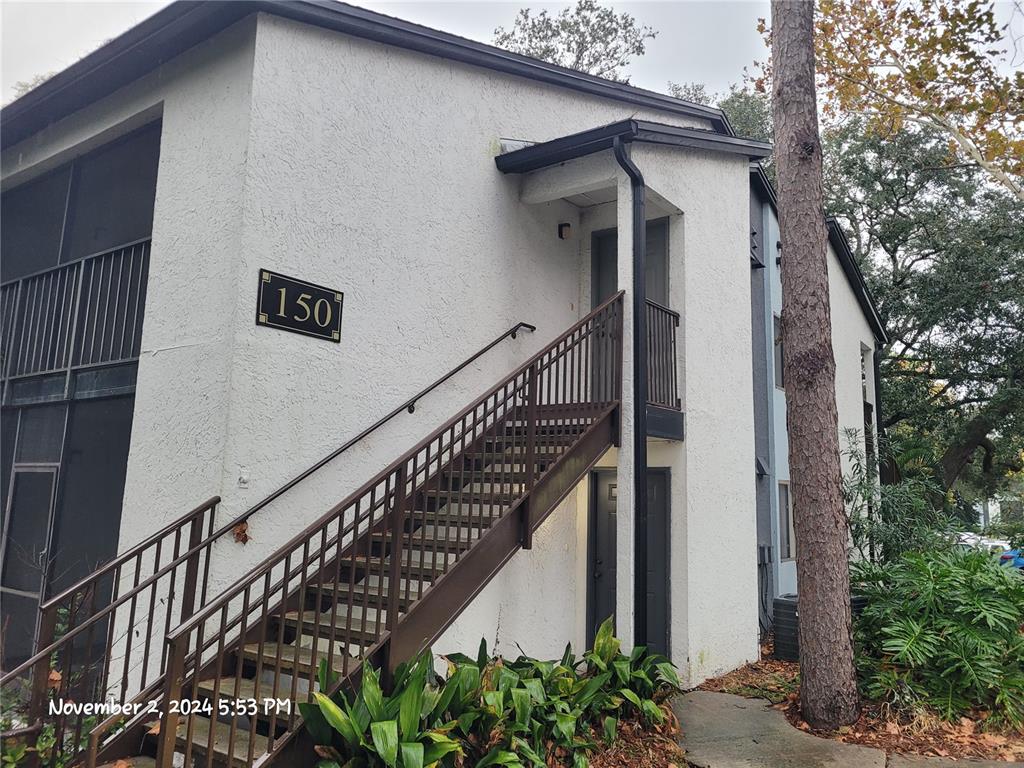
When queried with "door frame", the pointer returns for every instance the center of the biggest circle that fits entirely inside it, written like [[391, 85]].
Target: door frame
[[53, 470], [639, 529], [597, 234]]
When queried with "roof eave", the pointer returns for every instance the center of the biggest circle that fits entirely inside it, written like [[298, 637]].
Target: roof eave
[[577, 145], [181, 25]]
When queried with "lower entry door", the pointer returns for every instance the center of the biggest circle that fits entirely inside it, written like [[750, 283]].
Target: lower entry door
[[654, 530]]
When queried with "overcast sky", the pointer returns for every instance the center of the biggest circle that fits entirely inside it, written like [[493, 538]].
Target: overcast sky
[[709, 42], [705, 42]]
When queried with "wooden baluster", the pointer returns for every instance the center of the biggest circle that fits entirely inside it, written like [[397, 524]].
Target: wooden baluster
[[172, 692], [190, 585], [38, 703], [531, 453], [394, 567]]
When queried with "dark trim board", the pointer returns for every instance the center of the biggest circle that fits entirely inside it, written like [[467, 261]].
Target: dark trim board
[[182, 25], [665, 423], [588, 142]]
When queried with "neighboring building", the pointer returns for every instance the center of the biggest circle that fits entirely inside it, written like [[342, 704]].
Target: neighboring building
[[423, 194], [857, 335]]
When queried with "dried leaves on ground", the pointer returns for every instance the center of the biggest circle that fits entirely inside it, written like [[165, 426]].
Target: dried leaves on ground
[[643, 746], [879, 726]]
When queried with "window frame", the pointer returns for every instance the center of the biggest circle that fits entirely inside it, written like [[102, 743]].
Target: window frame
[[787, 531], [777, 360]]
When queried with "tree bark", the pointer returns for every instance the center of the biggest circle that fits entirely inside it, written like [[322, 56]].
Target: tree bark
[[828, 685], [974, 435]]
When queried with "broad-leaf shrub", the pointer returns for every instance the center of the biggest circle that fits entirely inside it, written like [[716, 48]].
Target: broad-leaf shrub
[[942, 631], [490, 711]]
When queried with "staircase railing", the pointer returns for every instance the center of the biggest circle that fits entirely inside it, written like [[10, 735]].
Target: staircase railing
[[365, 547], [102, 638], [95, 639]]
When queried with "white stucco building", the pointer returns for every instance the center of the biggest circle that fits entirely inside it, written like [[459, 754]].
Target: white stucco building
[[401, 197]]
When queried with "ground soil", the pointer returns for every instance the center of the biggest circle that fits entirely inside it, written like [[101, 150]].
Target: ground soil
[[778, 682], [642, 746]]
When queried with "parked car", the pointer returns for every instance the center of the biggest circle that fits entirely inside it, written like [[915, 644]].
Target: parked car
[[1014, 558], [977, 541]]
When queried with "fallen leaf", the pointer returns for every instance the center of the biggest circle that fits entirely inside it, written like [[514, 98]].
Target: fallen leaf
[[122, 764], [241, 533], [993, 739], [154, 728], [53, 679]]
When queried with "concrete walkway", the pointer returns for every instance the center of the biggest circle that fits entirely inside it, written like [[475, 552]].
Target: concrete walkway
[[724, 731]]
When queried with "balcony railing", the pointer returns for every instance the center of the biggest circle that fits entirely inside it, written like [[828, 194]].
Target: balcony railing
[[662, 376], [79, 315]]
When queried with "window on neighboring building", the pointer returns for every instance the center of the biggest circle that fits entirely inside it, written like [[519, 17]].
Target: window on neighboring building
[[866, 370], [780, 381], [787, 534]]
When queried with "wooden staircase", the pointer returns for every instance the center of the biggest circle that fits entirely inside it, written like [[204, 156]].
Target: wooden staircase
[[464, 523], [382, 574]]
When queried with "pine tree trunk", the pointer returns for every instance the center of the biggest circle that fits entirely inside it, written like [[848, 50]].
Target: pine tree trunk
[[828, 686]]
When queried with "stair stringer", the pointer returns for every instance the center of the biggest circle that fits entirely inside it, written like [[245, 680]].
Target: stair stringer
[[442, 604]]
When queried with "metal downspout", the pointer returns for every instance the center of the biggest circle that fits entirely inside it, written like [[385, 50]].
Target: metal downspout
[[639, 388]]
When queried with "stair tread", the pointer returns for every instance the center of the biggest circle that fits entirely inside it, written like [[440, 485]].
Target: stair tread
[[377, 592], [322, 619], [288, 660], [428, 562], [244, 688], [421, 536], [221, 737], [474, 495]]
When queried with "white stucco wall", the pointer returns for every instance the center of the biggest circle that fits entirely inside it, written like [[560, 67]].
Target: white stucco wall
[[852, 337], [714, 610], [371, 170]]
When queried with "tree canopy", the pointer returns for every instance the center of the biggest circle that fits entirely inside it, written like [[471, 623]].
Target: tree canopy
[[937, 64], [943, 251], [587, 37]]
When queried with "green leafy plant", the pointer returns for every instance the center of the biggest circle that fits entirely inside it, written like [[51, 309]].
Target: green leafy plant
[[942, 632], [490, 711], [887, 520], [371, 729], [642, 679]]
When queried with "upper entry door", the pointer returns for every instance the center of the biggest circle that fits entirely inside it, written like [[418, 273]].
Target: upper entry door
[[604, 263]]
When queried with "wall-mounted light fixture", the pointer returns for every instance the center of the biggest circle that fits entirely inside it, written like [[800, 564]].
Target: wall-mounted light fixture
[[564, 230]]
